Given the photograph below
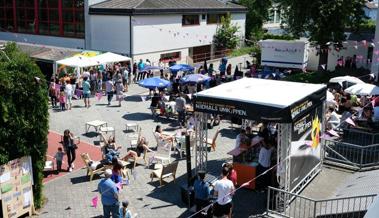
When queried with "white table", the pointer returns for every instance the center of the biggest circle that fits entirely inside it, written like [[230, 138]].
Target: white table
[[132, 126], [96, 124]]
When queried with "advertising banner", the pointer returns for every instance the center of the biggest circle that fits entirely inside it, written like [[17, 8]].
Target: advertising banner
[[306, 144], [16, 180]]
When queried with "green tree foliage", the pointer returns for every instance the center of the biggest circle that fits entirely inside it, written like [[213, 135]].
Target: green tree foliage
[[226, 34], [23, 113], [322, 20], [257, 14]]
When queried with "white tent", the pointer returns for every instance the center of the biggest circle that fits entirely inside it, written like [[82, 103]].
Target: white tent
[[78, 61], [363, 89], [109, 57], [341, 79]]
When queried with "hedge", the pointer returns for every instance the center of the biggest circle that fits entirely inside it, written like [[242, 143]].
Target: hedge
[[23, 113]]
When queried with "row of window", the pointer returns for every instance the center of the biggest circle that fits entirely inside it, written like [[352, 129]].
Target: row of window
[[46, 17], [189, 20]]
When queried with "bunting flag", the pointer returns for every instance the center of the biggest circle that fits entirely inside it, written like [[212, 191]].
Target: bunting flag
[[99, 95], [333, 133], [94, 201], [350, 121]]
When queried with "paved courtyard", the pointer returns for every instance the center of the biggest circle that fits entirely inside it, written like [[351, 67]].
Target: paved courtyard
[[70, 195]]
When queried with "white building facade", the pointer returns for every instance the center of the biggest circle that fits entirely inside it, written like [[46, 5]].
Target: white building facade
[[168, 33]]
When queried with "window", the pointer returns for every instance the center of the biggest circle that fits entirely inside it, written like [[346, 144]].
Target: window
[[47, 17], [214, 18], [6, 16], [190, 20], [271, 16], [171, 56]]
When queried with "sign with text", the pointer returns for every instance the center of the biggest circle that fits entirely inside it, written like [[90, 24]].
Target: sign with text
[[16, 180]]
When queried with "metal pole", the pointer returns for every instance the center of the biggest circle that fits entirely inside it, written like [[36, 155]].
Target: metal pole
[[188, 160]]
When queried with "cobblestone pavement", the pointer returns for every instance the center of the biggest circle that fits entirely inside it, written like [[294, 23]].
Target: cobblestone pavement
[[70, 195]]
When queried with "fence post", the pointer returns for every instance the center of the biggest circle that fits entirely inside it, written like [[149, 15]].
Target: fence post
[[268, 198], [361, 162], [314, 209]]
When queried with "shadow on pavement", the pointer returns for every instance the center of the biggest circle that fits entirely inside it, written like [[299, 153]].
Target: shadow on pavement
[[139, 116]]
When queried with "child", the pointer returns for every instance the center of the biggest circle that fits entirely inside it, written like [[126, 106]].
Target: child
[[59, 158], [124, 211], [62, 100]]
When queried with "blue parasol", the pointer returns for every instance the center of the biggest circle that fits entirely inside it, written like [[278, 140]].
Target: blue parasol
[[154, 82], [181, 67], [194, 79]]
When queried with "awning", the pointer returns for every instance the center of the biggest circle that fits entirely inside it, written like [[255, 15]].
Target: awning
[[78, 61], [262, 100], [109, 57]]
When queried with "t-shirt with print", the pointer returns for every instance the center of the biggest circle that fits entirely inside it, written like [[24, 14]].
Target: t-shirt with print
[[224, 187]]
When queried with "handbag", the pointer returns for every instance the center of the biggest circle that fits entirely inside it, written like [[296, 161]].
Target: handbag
[[75, 146]]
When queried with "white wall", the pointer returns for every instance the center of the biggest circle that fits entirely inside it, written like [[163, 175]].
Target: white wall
[[110, 33], [44, 40], [155, 56], [154, 33], [333, 55]]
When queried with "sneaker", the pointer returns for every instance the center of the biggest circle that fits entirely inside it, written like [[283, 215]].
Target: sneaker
[[70, 170], [73, 166]]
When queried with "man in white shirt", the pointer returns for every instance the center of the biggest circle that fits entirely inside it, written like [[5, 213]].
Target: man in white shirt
[[264, 163], [69, 92], [109, 88], [224, 190]]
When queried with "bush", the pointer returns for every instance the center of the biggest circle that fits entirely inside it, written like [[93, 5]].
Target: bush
[[325, 76], [280, 37], [23, 113]]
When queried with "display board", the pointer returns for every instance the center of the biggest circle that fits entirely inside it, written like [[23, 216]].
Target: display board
[[16, 193], [305, 146]]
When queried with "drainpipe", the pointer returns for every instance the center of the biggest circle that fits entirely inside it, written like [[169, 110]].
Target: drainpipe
[[131, 39]]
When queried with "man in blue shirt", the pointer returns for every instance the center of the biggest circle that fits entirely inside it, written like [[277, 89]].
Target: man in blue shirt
[[109, 196], [202, 191], [140, 66], [86, 91]]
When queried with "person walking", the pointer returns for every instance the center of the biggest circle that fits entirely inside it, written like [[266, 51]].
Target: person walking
[[140, 66], [119, 92], [53, 94], [223, 189], [109, 196], [86, 92], [180, 104], [70, 148], [109, 88], [69, 91]]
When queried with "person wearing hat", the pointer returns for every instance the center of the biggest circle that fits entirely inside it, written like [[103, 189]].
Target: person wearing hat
[[109, 196], [124, 211], [202, 191]]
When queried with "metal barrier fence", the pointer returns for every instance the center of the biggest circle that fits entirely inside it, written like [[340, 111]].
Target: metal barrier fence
[[351, 155], [298, 206], [359, 137], [208, 55]]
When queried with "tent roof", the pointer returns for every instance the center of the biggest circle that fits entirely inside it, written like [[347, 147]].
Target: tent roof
[[109, 57], [78, 61], [262, 98]]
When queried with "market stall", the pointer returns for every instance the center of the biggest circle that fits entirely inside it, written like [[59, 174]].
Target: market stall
[[296, 109]]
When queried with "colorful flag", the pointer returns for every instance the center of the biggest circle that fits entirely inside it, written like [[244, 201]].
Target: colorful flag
[[94, 201]]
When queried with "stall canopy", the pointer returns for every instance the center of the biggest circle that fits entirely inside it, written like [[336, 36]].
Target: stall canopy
[[78, 61], [110, 57], [87, 61], [261, 100]]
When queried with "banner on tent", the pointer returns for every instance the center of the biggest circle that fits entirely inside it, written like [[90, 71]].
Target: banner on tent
[[305, 149]]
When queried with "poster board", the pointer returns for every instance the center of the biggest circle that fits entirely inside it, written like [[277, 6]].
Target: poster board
[[16, 193]]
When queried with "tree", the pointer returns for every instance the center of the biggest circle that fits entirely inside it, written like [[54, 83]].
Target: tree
[[23, 113], [257, 14], [323, 21], [226, 34]]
